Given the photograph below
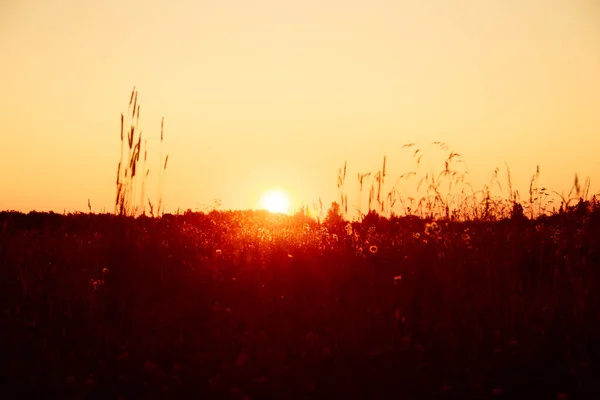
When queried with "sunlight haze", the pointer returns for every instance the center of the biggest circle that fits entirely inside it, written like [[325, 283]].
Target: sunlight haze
[[263, 94]]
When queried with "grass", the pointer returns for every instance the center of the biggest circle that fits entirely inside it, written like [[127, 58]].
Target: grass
[[257, 304], [128, 174], [457, 294], [450, 195]]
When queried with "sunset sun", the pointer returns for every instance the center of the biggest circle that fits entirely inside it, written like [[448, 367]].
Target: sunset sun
[[275, 201]]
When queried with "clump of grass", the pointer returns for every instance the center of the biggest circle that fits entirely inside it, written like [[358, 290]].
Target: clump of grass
[[578, 193], [128, 174], [449, 194], [438, 195], [340, 184], [162, 169]]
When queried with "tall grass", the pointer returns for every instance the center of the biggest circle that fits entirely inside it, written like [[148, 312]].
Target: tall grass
[[449, 193], [130, 199], [255, 305], [443, 194]]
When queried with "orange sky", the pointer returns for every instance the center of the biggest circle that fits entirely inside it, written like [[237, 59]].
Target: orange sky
[[267, 93]]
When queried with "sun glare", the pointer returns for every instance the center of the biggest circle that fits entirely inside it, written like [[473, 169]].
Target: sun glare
[[275, 201]]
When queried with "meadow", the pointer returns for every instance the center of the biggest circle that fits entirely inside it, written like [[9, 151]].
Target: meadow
[[453, 298]]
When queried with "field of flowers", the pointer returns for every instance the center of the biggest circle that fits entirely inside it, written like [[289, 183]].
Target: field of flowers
[[252, 305]]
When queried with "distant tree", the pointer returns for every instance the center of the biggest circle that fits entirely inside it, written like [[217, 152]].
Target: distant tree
[[371, 219], [334, 219], [517, 212]]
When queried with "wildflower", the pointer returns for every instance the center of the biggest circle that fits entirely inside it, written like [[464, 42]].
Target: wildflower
[[416, 235], [290, 256], [397, 280], [349, 229], [371, 229], [428, 229], [219, 252], [96, 283], [373, 249], [432, 229], [334, 237]]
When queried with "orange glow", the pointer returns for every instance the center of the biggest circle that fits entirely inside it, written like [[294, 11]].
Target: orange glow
[[275, 201]]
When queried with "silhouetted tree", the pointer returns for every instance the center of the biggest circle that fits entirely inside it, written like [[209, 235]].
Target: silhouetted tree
[[334, 219]]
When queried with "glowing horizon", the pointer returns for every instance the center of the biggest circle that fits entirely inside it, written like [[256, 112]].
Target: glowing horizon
[[275, 201]]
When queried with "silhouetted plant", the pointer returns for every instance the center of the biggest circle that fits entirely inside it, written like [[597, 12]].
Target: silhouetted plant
[[128, 174], [334, 218]]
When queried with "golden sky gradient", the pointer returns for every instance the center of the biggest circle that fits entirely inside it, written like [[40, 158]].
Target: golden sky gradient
[[269, 93]]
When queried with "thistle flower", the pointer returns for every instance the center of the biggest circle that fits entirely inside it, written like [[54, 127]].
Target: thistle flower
[[432, 229], [349, 230]]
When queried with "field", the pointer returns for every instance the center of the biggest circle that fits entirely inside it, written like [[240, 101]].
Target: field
[[460, 294], [253, 305]]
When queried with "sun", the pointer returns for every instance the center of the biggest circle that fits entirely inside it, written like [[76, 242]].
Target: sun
[[275, 201]]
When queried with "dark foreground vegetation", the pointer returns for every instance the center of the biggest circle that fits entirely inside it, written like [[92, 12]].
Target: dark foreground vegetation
[[249, 305]]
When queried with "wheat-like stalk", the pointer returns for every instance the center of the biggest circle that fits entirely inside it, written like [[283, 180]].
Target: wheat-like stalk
[[128, 191]]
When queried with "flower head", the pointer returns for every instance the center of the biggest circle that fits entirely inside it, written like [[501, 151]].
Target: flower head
[[349, 229], [433, 229]]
